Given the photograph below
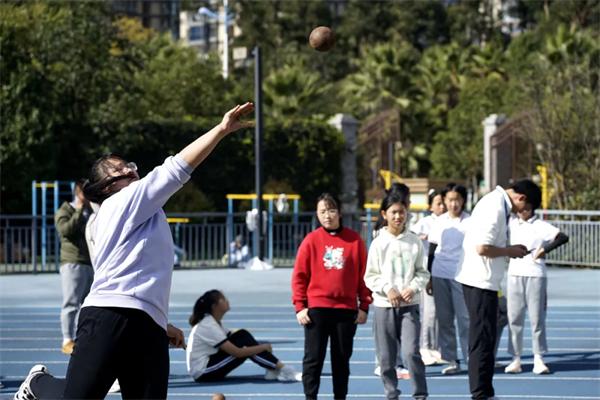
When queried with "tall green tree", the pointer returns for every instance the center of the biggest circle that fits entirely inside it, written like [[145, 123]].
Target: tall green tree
[[55, 67], [294, 91], [383, 79], [562, 103]]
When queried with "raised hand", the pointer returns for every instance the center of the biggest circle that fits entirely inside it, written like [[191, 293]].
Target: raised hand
[[232, 119]]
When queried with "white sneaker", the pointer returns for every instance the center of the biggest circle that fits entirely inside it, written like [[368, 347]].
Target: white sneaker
[[514, 367], [539, 367], [452, 368], [24, 392], [271, 374], [428, 357], [377, 371], [289, 374], [115, 388]]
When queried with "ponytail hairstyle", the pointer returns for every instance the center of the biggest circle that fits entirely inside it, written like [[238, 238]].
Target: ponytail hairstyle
[[431, 195], [204, 305], [96, 187], [401, 193]]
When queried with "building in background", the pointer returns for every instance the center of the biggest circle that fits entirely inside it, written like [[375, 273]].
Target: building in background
[[160, 15], [212, 28]]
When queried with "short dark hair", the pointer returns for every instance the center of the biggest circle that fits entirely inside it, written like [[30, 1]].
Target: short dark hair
[[79, 183], [398, 187], [530, 190]]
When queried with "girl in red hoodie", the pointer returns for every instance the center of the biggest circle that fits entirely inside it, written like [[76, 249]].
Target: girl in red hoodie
[[330, 296]]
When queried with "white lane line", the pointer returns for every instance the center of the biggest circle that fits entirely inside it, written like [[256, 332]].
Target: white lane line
[[271, 313], [233, 395], [275, 347], [176, 306], [281, 321], [293, 338], [374, 396], [500, 376]]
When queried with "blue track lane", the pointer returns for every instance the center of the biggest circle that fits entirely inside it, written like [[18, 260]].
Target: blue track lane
[[260, 301]]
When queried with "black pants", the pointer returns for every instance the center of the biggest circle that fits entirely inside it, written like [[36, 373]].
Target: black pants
[[112, 343], [221, 363], [337, 324], [483, 315], [502, 321]]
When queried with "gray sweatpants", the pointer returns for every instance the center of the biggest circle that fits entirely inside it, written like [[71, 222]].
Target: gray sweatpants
[[429, 325], [450, 304], [76, 281], [393, 325], [526, 293]]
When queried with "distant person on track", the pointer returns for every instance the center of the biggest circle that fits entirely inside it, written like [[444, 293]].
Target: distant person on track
[[527, 285], [486, 250], [213, 351], [330, 296], [76, 272], [396, 274]]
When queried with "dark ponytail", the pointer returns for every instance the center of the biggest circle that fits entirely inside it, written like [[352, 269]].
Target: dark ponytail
[[397, 193], [204, 305], [95, 188]]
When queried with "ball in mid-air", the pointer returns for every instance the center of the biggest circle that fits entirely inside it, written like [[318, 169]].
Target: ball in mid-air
[[321, 38], [218, 396]]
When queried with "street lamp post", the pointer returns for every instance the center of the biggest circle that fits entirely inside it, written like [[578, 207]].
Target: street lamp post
[[227, 20], [258, 144]]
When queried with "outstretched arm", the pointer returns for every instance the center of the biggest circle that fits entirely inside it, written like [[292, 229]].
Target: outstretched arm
[[199, 149], [559, 240]]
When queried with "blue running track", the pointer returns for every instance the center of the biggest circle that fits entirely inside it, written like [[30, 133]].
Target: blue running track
[[260, 302]]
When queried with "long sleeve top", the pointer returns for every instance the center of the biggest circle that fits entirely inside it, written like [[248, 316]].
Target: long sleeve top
[[70, 225], [395, 262], [329, 271], [133, 246]]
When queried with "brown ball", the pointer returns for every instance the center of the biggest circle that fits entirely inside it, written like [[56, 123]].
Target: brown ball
[[321, 38], [218, 396]]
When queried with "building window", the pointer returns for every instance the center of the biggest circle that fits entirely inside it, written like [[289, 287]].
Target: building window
[[196, 33]]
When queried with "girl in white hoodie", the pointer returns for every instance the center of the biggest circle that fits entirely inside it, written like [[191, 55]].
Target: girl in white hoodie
[[396, 274]]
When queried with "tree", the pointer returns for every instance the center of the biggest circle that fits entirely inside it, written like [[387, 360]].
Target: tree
[[457, 151], [562, 98], [55, 68], [73, 79], [295, 91], [383, 79]]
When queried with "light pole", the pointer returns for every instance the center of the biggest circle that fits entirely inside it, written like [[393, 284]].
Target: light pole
[[258, 144], [227, 20]]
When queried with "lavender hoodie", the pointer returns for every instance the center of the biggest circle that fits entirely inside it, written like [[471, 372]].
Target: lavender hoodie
[[133, 247]]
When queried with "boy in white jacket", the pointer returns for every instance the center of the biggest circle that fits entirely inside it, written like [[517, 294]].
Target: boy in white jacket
[[396, 274]]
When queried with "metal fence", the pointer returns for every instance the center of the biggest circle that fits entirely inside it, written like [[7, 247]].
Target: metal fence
[[30, 244], [583, 229]]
